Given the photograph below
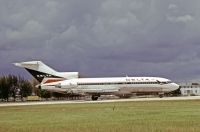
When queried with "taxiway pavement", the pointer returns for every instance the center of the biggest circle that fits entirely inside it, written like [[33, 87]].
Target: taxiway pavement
[[98, 101]]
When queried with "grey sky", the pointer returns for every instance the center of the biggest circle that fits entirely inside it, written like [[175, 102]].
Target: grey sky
[[103, 37]]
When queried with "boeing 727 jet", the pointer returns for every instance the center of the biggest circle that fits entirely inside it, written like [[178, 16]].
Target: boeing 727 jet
[[69, 82]]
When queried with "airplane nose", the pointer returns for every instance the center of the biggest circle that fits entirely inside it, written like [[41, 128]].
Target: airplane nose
[[175, 86]]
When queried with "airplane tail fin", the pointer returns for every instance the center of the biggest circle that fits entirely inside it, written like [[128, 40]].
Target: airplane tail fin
[[40, 71]]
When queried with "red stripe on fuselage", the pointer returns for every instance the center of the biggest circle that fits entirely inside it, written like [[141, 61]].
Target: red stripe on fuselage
[[53, 80]]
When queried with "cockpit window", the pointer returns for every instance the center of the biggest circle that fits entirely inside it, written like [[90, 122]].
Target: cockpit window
[[169, 81], [166, 82]]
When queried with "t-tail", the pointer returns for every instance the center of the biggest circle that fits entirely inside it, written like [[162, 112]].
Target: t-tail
[[40, 71]]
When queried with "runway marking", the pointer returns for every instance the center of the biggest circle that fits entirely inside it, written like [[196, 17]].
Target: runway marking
[[99, 101]]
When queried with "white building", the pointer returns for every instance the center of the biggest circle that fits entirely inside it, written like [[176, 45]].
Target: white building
[[190, 88]]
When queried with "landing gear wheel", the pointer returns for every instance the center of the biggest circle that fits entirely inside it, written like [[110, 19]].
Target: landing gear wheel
[[161, 95], [94, 97]]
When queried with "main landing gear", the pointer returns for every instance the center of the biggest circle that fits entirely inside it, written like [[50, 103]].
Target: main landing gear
[[95, 97], [161, 95]]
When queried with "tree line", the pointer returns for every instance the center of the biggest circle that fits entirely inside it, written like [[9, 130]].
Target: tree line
[[11, 86], [18, 87]]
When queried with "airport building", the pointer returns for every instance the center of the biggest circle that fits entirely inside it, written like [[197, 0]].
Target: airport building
[[188, 89]]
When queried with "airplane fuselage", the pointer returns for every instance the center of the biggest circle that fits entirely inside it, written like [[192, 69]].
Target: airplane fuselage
[[114, 84]]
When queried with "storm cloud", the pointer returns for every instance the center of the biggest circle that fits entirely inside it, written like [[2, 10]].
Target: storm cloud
[[103, 38]]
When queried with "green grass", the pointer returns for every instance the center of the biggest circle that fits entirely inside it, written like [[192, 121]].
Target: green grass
[[154, 116]]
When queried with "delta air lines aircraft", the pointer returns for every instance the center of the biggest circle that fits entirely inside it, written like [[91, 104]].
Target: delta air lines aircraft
[[69, 82]]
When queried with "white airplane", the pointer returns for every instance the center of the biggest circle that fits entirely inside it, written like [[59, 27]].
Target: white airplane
[[70, 83]]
